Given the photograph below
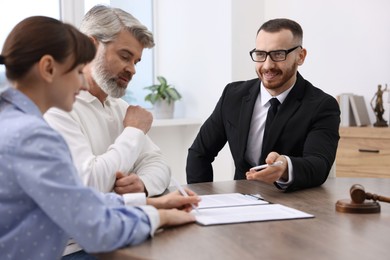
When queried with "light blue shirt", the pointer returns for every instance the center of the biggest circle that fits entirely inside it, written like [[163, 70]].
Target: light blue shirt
[[42, 201]]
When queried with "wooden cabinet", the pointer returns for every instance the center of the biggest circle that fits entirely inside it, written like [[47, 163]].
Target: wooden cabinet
[[363, 152]]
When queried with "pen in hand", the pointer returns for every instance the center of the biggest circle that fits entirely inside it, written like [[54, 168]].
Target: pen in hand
[[257, 168], [183, 192]]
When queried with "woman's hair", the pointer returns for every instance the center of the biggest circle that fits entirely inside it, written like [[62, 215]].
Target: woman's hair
[[37, 36], [104, 23]]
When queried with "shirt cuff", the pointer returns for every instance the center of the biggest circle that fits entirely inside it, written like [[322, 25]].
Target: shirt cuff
[[154, 218], [284, 184], [134, 199], [134, 131]]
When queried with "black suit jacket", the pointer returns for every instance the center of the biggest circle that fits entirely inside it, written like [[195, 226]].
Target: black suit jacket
[[305, 129]]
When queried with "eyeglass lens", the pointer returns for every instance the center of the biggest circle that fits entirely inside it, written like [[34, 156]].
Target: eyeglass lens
[[278, 55], [275, 55]]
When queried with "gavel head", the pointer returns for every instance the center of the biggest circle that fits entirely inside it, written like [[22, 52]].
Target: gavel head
[[358, 195]]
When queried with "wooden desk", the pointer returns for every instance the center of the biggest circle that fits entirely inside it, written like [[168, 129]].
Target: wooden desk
[[330, 235]]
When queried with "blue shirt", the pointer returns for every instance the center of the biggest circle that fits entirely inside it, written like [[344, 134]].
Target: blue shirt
[[42, 201]]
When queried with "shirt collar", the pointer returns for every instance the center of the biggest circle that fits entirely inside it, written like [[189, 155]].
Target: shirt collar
[[86, 96], [266, 96], [89, 98], [21, 101]]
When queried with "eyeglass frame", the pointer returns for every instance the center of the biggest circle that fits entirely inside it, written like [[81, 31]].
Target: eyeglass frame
[[268, 53]]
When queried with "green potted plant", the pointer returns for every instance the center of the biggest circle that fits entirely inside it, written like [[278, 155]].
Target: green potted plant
[[163, 97]]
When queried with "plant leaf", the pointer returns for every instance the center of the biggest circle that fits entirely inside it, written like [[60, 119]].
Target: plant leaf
[[162, 80], [173, 94], [162, 91]]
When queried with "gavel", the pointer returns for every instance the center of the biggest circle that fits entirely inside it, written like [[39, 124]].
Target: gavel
[[358, 195], [357, 204]]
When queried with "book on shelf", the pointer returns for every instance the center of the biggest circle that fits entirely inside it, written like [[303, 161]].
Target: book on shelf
[[346, 117], [353, 110], [359, 110]]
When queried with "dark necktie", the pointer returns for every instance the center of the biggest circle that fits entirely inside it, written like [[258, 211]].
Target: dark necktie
[[272, 110]]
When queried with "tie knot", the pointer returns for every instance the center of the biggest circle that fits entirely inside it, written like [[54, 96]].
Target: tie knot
[[274, 105], [274, 102]]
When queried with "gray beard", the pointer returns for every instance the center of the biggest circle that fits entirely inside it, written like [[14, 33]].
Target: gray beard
[[104, 80]]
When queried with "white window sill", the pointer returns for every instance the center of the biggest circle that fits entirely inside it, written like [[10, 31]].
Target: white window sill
[[176, 122]]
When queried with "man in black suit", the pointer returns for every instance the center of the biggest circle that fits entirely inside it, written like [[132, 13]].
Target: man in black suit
[[303, 134]]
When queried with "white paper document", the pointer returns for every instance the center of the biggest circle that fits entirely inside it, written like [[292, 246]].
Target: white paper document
[[225, 209], [230, 200]]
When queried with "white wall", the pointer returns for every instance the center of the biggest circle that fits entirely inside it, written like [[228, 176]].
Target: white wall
[[193, 50], [202, 45], [348, 43], [247, 16]]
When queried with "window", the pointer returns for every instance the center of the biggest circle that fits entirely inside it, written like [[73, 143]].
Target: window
[[12, 13], [72, 13]]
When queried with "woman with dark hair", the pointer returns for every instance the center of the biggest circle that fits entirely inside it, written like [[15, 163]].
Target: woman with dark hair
[[42, 201]]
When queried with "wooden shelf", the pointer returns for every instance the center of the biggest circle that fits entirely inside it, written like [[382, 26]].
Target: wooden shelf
[[365, 132]]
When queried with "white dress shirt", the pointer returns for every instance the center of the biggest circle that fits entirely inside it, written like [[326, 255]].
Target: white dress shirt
[[101, 146], [256, 130]]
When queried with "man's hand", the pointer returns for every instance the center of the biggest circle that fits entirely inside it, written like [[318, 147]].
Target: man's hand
[[138, 117], [271, 173], [175, 200], [128, 184]]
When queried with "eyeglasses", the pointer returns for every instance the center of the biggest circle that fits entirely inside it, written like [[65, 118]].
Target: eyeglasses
[[278, 55]]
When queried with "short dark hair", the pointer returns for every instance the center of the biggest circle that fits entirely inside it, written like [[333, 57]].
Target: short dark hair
[[37, 36], [276, 25]]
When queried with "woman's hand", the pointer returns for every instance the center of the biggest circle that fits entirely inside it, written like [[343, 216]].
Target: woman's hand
[[174, 217], [175, 200]]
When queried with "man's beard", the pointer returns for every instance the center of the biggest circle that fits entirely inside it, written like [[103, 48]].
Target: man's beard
[[104, 80]]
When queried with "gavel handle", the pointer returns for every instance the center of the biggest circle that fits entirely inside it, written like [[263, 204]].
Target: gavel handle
[[376, 197]]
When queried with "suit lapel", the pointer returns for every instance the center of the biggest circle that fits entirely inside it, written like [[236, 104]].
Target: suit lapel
[[247, 105]]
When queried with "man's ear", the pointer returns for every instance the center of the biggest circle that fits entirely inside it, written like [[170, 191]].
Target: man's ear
[[95, 41], [302, 56], [47, 68]]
